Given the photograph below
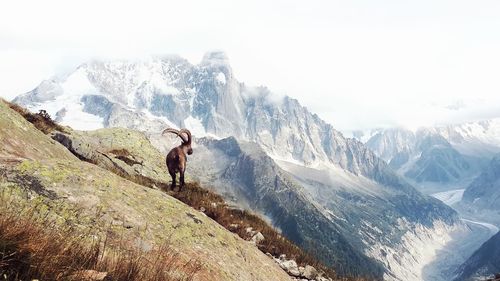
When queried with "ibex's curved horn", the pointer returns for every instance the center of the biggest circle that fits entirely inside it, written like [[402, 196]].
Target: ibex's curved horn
[[188, 133], [170, 130], [174, 131]]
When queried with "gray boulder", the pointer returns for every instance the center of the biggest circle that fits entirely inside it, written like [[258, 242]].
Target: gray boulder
[[290, 266], [257, 238]]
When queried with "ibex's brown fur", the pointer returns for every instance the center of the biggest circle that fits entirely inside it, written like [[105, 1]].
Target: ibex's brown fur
[[177, 158]]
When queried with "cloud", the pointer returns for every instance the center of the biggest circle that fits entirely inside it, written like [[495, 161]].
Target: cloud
[[263, 93], [358, 64], [456, 105]]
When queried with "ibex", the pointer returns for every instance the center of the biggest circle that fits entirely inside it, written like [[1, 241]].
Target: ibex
[[177, 158]]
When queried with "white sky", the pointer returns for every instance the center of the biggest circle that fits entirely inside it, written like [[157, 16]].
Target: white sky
[[358, 64]]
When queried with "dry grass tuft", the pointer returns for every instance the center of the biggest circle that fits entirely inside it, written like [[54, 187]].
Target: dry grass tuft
[[31, 248], [40, 120]]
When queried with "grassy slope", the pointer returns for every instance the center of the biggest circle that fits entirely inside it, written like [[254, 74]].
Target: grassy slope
[[37, 171]]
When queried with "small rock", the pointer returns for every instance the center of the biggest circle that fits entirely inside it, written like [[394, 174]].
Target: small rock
[[257, 238], [234, 226], [202, 209], [195, 219], [128, 225], [301, 270], [290, 267], [250, 231], [282, 257], [310, 272]]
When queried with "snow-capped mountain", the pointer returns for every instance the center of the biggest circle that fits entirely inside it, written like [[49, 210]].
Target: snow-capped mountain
[[330, 194], [480, 138], [424, 156], [391, 143]]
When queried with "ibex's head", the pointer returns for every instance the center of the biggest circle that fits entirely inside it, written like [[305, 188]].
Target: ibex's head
[[185, 135]]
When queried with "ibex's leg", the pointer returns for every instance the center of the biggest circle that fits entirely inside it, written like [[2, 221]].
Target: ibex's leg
[[172, 174], [181, 180]]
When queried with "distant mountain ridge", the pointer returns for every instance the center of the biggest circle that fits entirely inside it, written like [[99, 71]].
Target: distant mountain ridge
[[424, 156], [481, 138], [291, 143]]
